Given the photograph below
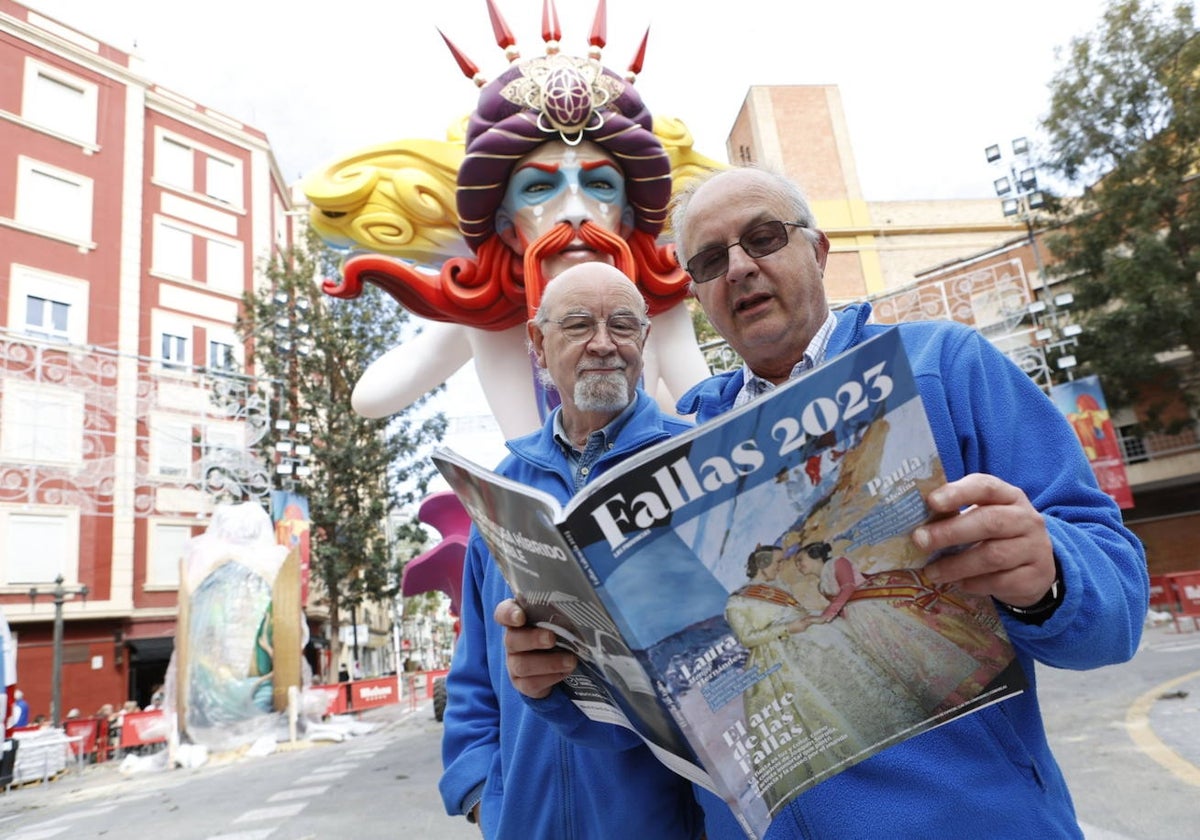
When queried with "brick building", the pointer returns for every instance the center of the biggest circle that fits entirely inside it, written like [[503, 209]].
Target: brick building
[[131, 222]]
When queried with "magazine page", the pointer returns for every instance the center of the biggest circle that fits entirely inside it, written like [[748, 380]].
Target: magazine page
[[786, 666], [611, 686]]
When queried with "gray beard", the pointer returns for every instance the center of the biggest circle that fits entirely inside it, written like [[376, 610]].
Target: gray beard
[[609, 392]]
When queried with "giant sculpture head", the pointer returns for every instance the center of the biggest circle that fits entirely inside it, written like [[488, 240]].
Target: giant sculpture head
[[551, 101]]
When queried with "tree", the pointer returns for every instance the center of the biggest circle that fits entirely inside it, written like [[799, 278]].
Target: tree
[[361, 469], [1124, 125]]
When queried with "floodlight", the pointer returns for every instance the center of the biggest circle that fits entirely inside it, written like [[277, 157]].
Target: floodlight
[[993, 153]]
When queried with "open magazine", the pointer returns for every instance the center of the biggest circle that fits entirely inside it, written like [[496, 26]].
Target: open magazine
[[754, 673]]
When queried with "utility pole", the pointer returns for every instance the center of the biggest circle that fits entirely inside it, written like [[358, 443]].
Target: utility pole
[[60, 593]]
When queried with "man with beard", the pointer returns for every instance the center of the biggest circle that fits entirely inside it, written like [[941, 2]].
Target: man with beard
[[505, 767]]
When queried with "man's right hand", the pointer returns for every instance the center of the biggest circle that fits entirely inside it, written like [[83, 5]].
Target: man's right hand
[[535, 666]]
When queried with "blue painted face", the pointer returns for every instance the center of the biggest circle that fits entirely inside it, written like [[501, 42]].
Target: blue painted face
[[557, 183]]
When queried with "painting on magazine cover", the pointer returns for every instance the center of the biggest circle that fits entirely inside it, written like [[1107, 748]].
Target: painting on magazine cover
[[780, 604]]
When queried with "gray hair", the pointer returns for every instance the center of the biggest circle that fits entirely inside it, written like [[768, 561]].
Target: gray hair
[[776, 184]]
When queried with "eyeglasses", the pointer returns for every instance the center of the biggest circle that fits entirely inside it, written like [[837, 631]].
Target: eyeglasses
[[622, 329], [759, 241]]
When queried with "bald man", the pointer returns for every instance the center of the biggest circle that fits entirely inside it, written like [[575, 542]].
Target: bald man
[[505, 767]]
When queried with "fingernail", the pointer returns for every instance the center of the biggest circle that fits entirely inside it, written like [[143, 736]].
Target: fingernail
[[921, 538]]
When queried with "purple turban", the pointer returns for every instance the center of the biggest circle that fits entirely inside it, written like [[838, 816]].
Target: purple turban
[[551, 98]]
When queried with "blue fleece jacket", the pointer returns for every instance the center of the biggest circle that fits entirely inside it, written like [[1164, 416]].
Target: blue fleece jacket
[[990, 774], [537, 784]]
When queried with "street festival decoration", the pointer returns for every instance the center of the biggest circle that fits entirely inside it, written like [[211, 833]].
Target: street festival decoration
[[438, 225], [240, 631]]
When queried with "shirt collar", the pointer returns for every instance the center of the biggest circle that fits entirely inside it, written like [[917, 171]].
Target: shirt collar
[[814, 354], [606, 434]]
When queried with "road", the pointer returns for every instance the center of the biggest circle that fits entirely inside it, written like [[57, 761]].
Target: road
[[1127, 740], [1128, 743], [379, 784]]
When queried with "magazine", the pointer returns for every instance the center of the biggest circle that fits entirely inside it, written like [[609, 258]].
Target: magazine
[[746, 596]]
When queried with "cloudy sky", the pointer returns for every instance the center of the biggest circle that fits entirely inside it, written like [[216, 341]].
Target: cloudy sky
[[926, 84]]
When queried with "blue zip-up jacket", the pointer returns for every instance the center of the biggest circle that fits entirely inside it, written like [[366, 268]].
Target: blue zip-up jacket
[[989, 774], [537, 784]]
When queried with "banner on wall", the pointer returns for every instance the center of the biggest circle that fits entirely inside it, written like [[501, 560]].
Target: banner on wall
[[289, 512], [1082, 402]]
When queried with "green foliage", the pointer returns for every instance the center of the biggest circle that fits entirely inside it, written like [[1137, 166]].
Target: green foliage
[[362, 469], [1124, 127]]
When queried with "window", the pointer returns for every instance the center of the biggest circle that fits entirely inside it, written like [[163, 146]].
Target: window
[[171, 445], [222, 180], [172, 251], [173, 164], [54, 200], [174, 351], [220, 356], [225, 269], [48, 306], [41, 424], [177, 159], [168, 546], [46, 318], [39, 545], [59, 102]]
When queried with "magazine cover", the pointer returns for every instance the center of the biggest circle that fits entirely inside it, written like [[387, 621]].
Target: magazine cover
[[760, 572]]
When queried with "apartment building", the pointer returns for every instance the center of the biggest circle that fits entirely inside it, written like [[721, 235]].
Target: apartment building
[[131, 222]]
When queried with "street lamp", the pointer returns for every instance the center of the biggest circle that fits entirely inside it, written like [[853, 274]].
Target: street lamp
[[292, 341], [1018, 190], [1020, 196], [60, 593]]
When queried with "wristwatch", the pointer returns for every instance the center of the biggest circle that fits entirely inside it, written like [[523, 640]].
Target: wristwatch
[[1043, 609]]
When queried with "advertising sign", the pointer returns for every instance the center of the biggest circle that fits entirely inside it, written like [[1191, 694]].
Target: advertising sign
[[1082, 402]]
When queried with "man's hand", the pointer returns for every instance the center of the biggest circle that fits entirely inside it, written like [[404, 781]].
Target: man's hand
[[535, 666], [1007, 552]]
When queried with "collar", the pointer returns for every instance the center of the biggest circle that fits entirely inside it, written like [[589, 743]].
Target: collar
[[755, 386], [606, 434]]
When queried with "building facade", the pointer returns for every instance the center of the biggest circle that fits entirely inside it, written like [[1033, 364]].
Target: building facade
[[131, 222], [875, 246]]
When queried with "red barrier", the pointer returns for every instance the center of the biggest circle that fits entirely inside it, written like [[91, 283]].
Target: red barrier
[[88, 729], [1186, 586], [139, 729], [335, 697], [370, 694], [1161, 595], [421, 684]]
